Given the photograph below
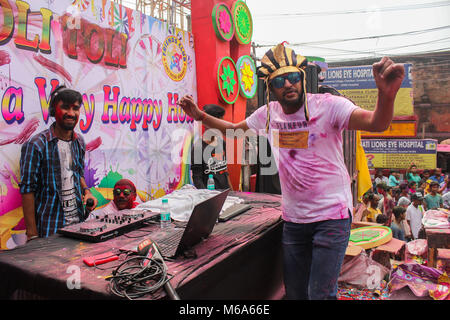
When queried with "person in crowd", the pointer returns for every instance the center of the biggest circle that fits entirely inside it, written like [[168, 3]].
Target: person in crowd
[[427, 186], [382, 219], [124, 197], [52, 183], [404, 191], [412, 187], [425, 174], [298, 126], [438, 176], [394, 178], [412, 174], [445, 187], [380, 178], [208, 156], [433, 200], [397, 226], [389, 204], [381, 192], [414, 215], [372, 211], [422, 185], [404, 202]]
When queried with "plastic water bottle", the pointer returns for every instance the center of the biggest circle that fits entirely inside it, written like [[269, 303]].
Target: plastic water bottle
[[165, 214], [210, 183]]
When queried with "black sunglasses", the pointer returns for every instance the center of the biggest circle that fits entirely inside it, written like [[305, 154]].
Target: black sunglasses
[[278, 82], [126, 192]]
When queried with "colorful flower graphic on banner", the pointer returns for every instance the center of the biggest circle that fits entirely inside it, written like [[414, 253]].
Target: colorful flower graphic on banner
[[248, 80], [243, 22], [122, 20], [227, 79], [223, 22], [81, 4], [148, 64]]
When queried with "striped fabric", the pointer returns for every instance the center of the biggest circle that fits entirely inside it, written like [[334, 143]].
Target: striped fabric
[[41, 174]]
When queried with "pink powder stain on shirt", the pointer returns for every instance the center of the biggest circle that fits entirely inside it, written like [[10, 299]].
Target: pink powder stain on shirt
[[323, 135]]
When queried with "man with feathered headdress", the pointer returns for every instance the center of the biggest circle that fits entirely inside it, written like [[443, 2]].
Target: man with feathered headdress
[[305, 133]]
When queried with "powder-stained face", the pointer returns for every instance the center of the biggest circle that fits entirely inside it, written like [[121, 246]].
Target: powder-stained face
[[291, 93], [66, 115], [124, 196]]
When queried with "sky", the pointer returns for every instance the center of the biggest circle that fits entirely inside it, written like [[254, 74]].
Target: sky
[[328, 28]]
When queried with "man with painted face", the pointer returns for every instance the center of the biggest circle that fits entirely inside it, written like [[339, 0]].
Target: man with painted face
[[52, 185], [305, 133], [124, 196]]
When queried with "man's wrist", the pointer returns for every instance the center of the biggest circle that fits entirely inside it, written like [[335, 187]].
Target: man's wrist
[[202, 116], [86, 189]]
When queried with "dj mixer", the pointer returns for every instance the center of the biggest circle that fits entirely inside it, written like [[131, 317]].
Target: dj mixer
[[108, 226]]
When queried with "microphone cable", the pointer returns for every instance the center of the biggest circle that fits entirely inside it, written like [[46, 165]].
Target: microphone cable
[[132, 280]]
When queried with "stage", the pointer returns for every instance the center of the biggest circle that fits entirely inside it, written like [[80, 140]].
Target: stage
[[241, 259]]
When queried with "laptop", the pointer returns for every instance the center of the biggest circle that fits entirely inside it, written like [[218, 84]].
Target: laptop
[[200, 225]]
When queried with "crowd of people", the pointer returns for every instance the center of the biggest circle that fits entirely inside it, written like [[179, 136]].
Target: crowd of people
[[400, 201]]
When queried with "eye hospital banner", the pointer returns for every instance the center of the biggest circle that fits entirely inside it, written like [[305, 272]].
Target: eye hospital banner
[[400, 153], [130, 69], [358, 84]]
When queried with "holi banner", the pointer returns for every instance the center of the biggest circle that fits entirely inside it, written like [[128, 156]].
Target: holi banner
[[130, 68], [358, 84], [400, 153]]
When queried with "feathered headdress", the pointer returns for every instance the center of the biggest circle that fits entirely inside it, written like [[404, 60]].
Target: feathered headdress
[[280, 60]]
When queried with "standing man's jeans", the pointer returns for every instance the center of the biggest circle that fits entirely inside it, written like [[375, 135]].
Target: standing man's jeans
[[312, 258]]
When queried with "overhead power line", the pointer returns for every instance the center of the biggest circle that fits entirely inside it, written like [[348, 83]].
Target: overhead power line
[[379, 50], [330, 59], [415, 32], [369, 10]]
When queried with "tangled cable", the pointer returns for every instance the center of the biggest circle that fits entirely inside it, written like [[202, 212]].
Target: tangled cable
[[131, 279]]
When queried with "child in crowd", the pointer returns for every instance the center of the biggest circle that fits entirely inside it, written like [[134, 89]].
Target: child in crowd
[[412, 187], [397, 227], [394, 179], [433, 200], [382, 219]]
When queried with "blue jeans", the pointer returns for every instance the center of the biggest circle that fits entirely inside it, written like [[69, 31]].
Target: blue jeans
[[312, 258]]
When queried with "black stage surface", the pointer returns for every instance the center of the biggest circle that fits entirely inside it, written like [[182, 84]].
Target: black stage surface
[[241, 259]]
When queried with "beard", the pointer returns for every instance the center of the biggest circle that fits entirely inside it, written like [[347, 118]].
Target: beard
[[68, 125], [291, 103]]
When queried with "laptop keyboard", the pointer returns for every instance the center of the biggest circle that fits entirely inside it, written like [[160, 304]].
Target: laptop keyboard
[[168, 245]]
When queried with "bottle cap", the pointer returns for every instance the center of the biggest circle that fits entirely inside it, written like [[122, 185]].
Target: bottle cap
[[165, 200], [210, 176]]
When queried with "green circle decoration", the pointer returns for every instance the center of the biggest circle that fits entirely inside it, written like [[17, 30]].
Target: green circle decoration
[[227, 80], [243, 22], [248, 79], [223, 22]]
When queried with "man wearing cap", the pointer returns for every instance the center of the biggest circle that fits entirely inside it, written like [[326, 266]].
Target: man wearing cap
[[414, 214], [208, 156], [305, 132]]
